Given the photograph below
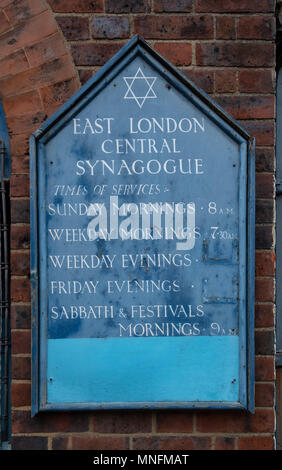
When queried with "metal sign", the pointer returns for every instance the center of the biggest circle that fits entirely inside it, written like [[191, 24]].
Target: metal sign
[[142, 245]]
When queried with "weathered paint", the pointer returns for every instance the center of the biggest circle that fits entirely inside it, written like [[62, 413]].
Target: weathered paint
[[145, 380], [129, 301]]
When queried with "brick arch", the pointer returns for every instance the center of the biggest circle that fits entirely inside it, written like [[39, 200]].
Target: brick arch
[[36, 70], [37, 75]]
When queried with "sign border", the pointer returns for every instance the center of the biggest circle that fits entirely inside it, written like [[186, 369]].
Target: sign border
[[138, 46]]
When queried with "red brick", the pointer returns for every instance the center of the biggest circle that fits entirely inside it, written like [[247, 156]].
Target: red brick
[[20, 394], [20, 290], [20, 316], [263, 131], [264, 394], [4, 23], [225, 422], [256, 443], [202, 78], [74, 28], [239, 422], [21, 342], [4, 3], [264, 160], [264, 316], [265, 263], [86, 74], [127, 6], [21, 10], [225, 27], [225, 81], [25, 123], [235, 54], [122, 423], [174, 27], [21, 368], [224, 443], [264, 237], [50, 72], [74, 6], [171, 443], [19, 145], [49, 422], [233, 6], [173, 421], [264, 289], [27, 33], [248, 107], [256, 81], [29, 443], [20, 165], [13, 64], [173, 6], [22, 103], [256, 27], [264, 342], [177, 53], [60, 443], [20, 237], [46, 50], [264, 185], [20, 211], [99, 443], [110, 27], [264, 369], [19, 264], [56, 94], [19, 185], [94, 53]]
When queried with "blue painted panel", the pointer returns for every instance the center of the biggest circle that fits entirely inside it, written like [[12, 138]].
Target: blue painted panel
[[180, 368], [142, 269]]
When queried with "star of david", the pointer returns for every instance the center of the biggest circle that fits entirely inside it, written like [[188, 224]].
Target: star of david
[[139, 88]]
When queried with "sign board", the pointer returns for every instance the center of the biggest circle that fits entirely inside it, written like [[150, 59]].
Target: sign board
[[142, 245]]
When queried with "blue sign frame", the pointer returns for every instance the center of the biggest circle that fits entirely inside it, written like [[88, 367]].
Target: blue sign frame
[[113, 354]]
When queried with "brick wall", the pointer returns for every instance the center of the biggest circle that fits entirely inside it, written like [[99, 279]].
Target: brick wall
[[47, 49]]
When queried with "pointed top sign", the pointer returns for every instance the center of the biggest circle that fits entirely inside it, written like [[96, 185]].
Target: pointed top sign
[[138, 47], [142, 254]]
